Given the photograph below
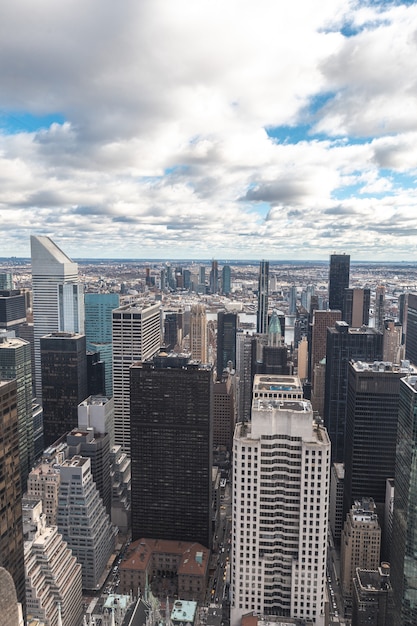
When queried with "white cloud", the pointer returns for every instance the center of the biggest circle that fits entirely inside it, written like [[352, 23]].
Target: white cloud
[[164, 149]]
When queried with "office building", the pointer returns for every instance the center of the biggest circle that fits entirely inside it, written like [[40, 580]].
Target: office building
[[173, 335], [292, 300], [339, 271], [379, 307], [43, 484], [57, 297], [121, 485], [136, 337], [356, 303], [171, 428], [411, 329], [279, 527], [372, 597], [404, 538], [64, 382], [95, 446], [226, 341], [336, 519], [11, 528], [263, 291], [394, 349], [6, 281], [15, 362], [12, 309], [322, 320], [224, 412], [97, 412], [53, 575], [83, 522], [98, 330], [244, 375], [214, 277], [360, 544], [343, 345], [198, 333], [371, 430], [96, 378], [226, 280]]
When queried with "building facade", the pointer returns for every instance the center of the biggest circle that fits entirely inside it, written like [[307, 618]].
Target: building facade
[[226, 341], [171, 428], [280, 506], [339, 271], [50, 269], [263, 296], [64, 382], [136, 337]]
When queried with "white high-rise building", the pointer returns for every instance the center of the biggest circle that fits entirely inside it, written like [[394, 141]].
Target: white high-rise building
[[136, 336], [58, 303], [280, 506]]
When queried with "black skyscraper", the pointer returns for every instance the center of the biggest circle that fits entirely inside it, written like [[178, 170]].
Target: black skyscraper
[[411, 329], [226, 341], [371, 431], [338, 279], [64, 382], [263, 289], [344, 344], [171, 406]]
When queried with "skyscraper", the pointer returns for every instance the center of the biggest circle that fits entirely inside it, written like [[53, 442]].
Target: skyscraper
[[371, 430], [53, 307], [280, 506], [263, 290], [64, 382], [136, 337], [226, 341], [226, 280], [322, 320], [404, 537], [98, 330], [171, 430], [338, 279], [198, 333], [15, 362], [214, 277], [379, 307], [12, 309], [356, 304], [11, 528], [411, 329], [343, 344]]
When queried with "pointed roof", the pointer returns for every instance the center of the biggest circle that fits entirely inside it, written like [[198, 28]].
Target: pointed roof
[[44, 249]]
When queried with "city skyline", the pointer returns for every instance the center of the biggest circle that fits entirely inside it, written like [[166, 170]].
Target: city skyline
[[278, 131]]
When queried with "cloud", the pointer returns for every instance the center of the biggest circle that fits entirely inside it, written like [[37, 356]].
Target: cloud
[[164, 141]]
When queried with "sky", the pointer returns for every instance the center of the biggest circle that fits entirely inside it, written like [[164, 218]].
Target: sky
[[230, 129]]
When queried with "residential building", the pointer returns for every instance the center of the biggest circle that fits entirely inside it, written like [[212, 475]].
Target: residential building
[[226, 341]]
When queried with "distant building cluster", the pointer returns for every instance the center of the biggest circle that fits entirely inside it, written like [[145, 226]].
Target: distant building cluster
[[211, 443]]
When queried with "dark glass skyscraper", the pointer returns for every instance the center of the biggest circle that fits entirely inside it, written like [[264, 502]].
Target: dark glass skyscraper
[[338, 279], [371, 431], [411, 329], [64, 382], [171, 422], [343, 344], [404, 536], [226, 341], [263, 290]]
